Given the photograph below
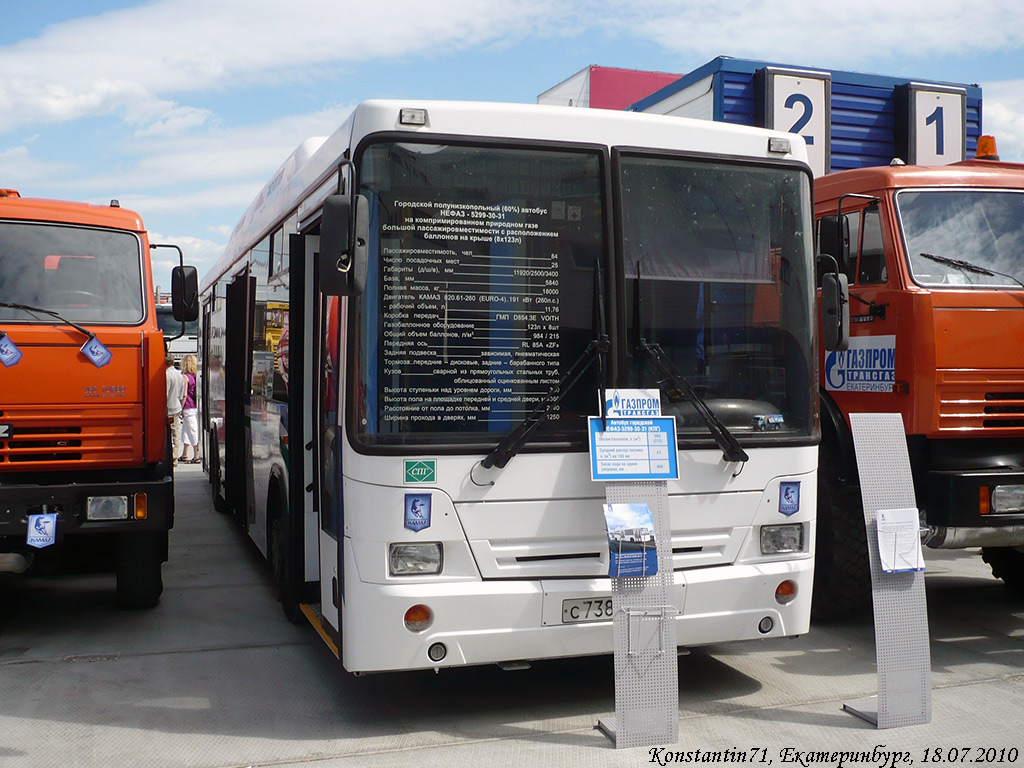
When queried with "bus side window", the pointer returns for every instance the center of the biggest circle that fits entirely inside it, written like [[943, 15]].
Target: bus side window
[[872, 252]]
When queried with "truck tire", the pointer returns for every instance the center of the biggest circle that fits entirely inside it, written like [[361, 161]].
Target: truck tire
[[1007, 564], [842, 570], [139, 559]]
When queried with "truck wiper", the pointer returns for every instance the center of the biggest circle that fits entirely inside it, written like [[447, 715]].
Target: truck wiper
[[678, 389], [967, 266], [595, 351], [51, 313]]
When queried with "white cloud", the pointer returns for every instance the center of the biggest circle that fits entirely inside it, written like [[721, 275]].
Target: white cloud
[[858, 34], [237, 159], [119, 59], [197, 252], [21, 168], [1003, 117]]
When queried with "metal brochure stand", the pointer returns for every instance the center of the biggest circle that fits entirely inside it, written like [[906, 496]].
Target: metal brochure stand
[[901, 614], [646, 668]]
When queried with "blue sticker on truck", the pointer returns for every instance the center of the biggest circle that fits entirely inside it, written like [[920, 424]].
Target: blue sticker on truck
[[869, 365]]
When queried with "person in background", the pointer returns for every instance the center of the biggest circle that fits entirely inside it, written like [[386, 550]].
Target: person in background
[[175, 397], [190, 411]]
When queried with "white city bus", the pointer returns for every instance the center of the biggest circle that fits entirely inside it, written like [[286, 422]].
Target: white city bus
[[412, 323]]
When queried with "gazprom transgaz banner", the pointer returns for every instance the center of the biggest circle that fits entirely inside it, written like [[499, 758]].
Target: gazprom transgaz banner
[[869, 365]]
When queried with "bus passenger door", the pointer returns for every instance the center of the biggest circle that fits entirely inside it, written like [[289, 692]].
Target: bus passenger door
[[237, 366], [301, 366], [329, 459]]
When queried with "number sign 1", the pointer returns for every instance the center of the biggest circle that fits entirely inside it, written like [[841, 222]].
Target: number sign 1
[[931, 124], [798, 102]]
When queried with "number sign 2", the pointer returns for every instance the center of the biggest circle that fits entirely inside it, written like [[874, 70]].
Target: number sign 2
[[931, 124], [799, 102]]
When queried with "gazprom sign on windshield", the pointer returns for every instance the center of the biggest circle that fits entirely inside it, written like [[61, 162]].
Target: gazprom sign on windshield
[[869, 365]]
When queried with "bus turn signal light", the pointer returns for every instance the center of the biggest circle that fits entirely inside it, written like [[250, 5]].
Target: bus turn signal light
[[418, 618], [785, 592]]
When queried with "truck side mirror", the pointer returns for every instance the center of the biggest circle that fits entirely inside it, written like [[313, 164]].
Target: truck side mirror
[[834, 239], [835, 311], [342, 259], [185, 294]]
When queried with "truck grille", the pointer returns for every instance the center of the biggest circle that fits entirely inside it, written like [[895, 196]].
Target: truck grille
[[980, 400], [73, 437]]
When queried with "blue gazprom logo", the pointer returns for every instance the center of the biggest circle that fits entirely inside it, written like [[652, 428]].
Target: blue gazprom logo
[[633, 403], [869, 365]]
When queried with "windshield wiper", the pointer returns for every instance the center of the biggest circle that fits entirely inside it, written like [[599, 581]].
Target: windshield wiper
[[678, 389], [51, 313], [967, 266], [594, 352]]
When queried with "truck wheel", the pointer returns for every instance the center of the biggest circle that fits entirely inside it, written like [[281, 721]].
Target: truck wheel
[[1007, 564], [139, 558], [842, 570]]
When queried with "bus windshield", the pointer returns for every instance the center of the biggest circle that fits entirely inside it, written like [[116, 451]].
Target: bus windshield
[[87, 275], [480, 289], [964, 237], [718, 257]]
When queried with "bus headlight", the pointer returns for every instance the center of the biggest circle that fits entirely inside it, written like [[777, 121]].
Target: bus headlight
[[415, 558], [781, 539]]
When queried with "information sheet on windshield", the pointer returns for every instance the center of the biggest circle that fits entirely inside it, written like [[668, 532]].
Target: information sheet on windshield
[[633, 448], [475, 318]]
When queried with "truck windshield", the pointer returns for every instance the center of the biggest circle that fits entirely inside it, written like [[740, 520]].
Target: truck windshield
[[91, 276], [983, 229], [171, 327], [722, 253], [480, 289]]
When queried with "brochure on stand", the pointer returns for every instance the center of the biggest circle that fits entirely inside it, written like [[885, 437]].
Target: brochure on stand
[[632, 548]]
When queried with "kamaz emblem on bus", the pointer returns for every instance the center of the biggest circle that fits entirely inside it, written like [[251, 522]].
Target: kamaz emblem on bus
[[420, 471]]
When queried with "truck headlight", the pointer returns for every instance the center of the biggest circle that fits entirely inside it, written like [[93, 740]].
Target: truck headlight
[[780, 539], [1008, 498], [415, 558], [106, 508]]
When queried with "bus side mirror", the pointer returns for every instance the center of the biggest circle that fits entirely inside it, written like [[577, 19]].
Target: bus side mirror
[[343, 257], [835, 311], [185, 294]]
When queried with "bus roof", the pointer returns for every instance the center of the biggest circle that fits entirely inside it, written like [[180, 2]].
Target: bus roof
[[309, 175]]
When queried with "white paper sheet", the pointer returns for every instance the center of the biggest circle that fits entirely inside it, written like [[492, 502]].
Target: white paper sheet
[[899, 540]]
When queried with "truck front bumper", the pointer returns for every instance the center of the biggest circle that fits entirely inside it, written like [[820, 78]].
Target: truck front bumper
[[960, 512], [70, 503]]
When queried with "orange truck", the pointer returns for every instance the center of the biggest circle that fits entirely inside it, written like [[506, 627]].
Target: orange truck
[[86, 477], [934, 257]]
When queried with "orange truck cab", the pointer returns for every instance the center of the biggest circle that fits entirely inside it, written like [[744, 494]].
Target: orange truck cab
[[935, 262], [85, 468]]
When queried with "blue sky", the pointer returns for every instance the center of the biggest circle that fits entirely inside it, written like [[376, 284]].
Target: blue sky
[[182, 109]]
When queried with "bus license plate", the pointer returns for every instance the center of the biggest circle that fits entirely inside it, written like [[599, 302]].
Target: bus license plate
[[587, 609]]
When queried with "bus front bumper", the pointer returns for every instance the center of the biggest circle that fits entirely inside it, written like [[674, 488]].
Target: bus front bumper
[[497, 621]]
